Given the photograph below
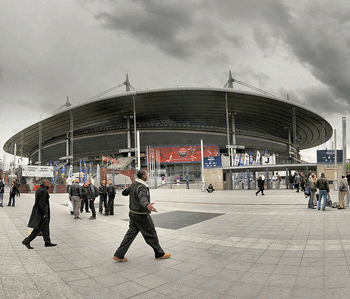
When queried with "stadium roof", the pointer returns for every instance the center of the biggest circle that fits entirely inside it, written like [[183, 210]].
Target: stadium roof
[[187, 109]]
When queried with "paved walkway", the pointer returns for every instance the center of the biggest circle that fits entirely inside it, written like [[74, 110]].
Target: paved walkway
[[229, 244]]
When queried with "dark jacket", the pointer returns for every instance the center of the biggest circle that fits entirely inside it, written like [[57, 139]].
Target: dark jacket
[[75, 190], [41, 207], [139, 197], [13, 190], [260, 183], [103, 191], [84, 192], [91, 191], [2, 187], [111, 191], [322, 184]]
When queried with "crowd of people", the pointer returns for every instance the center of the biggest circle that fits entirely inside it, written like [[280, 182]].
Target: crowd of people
[[140, 208], [84, 196], [15, 190], [309, 185]]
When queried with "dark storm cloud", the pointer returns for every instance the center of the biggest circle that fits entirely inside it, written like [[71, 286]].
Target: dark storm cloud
[[163, 24], [181, 30], [317, 37], [322, 47]]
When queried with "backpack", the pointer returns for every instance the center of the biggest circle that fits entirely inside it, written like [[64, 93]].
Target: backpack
[[335, 205]]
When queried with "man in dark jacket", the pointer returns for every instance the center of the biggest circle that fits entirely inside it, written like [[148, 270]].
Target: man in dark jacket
[[75, 195], [2, 189], [323, 187], [92, 193], [260, 185], [84, 198], [103, 197], [140, 219], [40, 217], [111, 196]]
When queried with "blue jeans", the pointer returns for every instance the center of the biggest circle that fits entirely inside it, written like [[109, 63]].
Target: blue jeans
[[324, 194]]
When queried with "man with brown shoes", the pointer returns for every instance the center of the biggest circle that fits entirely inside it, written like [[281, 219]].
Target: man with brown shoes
[[140, 219]]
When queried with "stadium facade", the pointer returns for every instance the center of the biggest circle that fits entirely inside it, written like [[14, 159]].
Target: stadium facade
[[173, 117]]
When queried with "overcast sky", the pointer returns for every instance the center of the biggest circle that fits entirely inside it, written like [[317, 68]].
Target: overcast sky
[[76, 48]]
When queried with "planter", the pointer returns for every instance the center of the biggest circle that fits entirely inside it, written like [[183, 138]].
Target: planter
[[61, 189], [23, 189]]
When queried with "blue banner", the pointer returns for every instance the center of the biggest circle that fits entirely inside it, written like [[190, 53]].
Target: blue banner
[[63, 169], [90, 171], [328, 156], [80, 173], [212, 162]]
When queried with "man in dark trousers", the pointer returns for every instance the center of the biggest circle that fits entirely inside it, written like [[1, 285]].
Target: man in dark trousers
[[260, 185], [40, 217], [84, 199], [2, 189], [103, 197], [140, 219], [92, 193], [111, 196]]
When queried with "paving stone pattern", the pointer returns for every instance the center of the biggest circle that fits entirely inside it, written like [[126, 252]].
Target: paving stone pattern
[[228, 244]]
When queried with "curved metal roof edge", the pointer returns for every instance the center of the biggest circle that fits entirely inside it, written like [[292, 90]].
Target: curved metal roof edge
[[158, 90], [145, 91]]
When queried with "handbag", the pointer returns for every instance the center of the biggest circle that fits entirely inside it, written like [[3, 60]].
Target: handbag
[[329, 201]]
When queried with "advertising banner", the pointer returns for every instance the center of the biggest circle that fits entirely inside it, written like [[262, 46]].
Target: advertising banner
[[181, 154], [212, 162]]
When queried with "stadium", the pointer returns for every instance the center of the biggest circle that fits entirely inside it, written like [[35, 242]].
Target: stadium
[[178, 118]]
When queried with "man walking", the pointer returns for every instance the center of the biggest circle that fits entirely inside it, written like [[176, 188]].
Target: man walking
[[103, 197], [40, 217], [111, 196], [260, 185], [76, 196], [323, 187], [297, 180], [2, 189], [140, 219]]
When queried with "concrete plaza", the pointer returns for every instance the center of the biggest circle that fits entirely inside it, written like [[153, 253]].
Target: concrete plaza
[[228, 244]]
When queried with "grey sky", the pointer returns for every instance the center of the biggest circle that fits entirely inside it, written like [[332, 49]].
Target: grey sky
[[54, 49]]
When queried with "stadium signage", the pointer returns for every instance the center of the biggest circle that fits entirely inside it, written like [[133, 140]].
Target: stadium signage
[[328, 156], [180, 154], [234, 146], [37, 171]]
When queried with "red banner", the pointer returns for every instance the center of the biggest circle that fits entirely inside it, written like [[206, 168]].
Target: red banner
[[180, 154]]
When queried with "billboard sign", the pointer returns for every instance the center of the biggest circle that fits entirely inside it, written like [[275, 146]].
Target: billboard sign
[[328, 156], [180, 154], [37, 171], [212, 162]]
